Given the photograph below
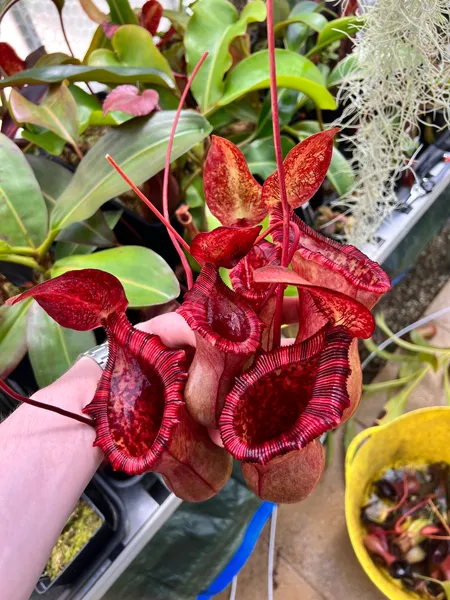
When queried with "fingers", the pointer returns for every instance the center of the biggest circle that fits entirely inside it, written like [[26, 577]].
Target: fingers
[[172, 329]]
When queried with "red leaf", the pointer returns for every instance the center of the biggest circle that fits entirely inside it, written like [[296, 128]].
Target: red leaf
[[333, 306], [289, 478], [232, 193], [224, 246], [241, 276], [140, 417], [151, 14], [288, 398], [78, 300], [9, 61], [305, 168], [127, 99], [325, 262]]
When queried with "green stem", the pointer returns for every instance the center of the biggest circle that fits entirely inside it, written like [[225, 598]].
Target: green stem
[[292, 131], [21, 260], [23, 251], [382, 386], [320, 118], [404, 344], [190, 180], [46, 244], [372, 347]]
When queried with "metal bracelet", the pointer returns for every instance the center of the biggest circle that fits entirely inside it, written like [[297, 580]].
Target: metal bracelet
[[99, 354]]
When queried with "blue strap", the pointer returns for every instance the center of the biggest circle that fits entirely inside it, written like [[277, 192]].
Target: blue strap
[[242, 554]]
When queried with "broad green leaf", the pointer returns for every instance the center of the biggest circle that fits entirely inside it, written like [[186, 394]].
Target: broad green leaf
[[57, 113], [195, 197], [133, 46], [297, 33], [13, 336], [146, 277], [113, 118], [260, 155], [287, 107], [73, 73], [212, 28], [121, 12], [293, 71], [313, 20], [346, 66], [63, 249], [86, 105], [340, 174], [23, 214], [56, 58], [53, 180], [53, 349], [99, 40], [139, 147], [47, 140], [336, 30], [178, 19]]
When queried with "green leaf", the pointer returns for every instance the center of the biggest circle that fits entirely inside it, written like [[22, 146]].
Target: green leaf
[[99, 40], [53, 180], [121, 12], [133, 46], [73, 73], [57, 113], [146, 277], [287, 107], [349, 433], [195, 197], [112, 119], [212, 28], [47, 140], [297, 34], [63, 249], [340, 174], [13, 336], [293, 71], [342, 70], [336, 30], [52, 348], [86, 105], [139, 147], [313, 20], [178, 19], [23, 214], [260, 155], [56, 58]]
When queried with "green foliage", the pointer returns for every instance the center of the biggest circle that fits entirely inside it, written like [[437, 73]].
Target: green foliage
[[260, 155], [13, 343], [20, 191], [146, 277], [293, 71], [121, 12], [212, 28]]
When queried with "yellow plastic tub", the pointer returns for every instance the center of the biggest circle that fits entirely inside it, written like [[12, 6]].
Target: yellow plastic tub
[[417, 438]]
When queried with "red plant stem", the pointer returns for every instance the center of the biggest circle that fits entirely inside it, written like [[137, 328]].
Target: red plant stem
[[56, 409], [267, 232], [146, 201], [397, 528], [404, 496], [280, 168], [294, 245], [165, 195]]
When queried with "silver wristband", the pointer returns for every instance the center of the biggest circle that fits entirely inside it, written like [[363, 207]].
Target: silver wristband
[[99, 354]]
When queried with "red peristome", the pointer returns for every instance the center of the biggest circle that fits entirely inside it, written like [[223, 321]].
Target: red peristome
[[141, 420], [220, 316], [151, 14], [325, 262], [328, 304], [127, 99], [78, 300], [224, 246], [241, 276], [232, 193], [289, 478], [9, 61], [288, 397], [305, 168]]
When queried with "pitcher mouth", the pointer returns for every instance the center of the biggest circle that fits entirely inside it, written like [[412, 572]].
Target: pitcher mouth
[[289, 397], [220, 316], [137, 404]]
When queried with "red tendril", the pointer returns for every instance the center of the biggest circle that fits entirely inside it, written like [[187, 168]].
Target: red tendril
[[165, 199]]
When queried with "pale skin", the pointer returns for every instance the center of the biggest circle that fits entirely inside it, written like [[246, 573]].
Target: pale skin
[[47, 460]]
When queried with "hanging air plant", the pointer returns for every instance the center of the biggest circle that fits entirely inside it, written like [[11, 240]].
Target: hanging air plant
[[400, 74]]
